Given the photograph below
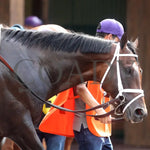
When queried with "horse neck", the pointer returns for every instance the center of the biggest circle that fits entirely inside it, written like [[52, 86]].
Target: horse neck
[[65, 68], [72, 69]]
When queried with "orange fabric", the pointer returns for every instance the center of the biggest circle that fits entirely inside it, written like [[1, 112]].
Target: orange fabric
[[61, 123], [97, 128], [57, 121]]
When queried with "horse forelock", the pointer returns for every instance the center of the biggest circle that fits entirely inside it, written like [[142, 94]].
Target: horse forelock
[[67, 42]]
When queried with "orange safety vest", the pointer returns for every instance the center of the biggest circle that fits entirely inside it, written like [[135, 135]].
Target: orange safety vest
[[57, 121], [61, 123], [95, 126]]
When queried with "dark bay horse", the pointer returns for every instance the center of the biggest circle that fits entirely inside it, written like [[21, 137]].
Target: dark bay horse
[[48, 63]]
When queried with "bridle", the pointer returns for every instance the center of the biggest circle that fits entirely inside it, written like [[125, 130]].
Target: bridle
[[119, 98]]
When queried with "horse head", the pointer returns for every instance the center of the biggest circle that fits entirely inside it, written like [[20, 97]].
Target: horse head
[[125, 72]]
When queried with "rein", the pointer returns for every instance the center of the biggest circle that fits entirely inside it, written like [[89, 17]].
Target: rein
[[119, 98], [105, 105]]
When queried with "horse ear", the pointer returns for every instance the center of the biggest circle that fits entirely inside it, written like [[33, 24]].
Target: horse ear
[[123, 41], [136, 43]]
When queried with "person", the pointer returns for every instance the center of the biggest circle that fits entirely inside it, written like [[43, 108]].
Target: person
[[110, 29], [32, 21], [52, 141], [89, 132]]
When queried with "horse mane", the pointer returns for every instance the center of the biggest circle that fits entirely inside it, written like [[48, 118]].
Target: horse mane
[[68, 42]]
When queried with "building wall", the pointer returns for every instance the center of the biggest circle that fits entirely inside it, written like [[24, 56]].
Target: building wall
[[16, 12], [4, 12], [138, 25], [84, 15], [11, 12]]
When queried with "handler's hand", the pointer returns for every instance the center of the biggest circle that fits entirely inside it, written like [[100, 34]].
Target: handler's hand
[[106, 119]]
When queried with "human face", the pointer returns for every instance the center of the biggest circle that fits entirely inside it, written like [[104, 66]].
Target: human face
[[110, 37]]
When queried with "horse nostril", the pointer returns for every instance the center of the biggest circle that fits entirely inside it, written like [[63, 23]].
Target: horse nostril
[[140, 112]]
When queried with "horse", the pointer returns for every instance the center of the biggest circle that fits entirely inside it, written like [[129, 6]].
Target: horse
[[37, 65]]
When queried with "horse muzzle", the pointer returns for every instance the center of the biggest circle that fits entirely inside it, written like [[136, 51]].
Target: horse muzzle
[[135, 114]]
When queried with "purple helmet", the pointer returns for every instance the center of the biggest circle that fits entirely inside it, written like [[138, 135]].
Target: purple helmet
[[33, 21]]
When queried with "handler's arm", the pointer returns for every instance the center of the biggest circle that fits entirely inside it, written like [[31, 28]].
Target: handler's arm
[[88, 98]]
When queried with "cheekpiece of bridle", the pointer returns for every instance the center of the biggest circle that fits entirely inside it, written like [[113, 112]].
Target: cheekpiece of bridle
[[120, 99]]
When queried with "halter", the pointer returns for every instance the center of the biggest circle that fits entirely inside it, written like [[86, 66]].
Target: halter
[[121, 90]]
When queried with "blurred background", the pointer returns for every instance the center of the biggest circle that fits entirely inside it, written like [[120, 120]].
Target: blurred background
[[83, 16]]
